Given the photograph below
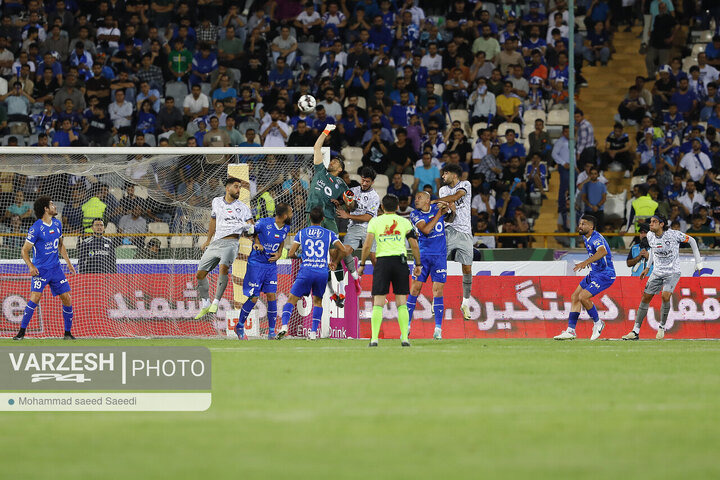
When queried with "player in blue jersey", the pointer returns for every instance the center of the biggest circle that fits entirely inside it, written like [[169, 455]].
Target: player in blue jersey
[[601, 276], [261, 274], [315, 243], [45, 240], [429, 220]]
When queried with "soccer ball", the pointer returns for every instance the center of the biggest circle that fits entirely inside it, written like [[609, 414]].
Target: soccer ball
[[307, 103]]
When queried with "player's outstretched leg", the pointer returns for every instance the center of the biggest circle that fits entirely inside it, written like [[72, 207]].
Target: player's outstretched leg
[[285, 318], [467, 290], [639, 317], [575, 306], [222, 283], [598, 325], [664, 311], [67, 313], [203, 293], [351, 265]]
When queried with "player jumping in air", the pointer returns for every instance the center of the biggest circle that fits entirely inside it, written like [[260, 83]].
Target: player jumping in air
[[230, 218], [315, 243], [45, 240], [261, 275], [665, 258], [363, 208], [390, 230], [459, 233], [328, 191], [429, 220], [601, 276]]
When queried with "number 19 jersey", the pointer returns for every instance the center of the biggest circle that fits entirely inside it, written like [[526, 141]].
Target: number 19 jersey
[[315, 243]]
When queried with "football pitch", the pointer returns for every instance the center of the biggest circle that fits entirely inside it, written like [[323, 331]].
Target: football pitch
[[527, 409]]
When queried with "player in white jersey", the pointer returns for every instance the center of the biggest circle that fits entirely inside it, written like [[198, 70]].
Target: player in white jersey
[[230, 218], [457, 192], [665, 258], [362, 209]]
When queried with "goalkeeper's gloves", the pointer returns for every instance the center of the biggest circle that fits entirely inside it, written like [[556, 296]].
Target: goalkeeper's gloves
[[329, 128], [348, 197]]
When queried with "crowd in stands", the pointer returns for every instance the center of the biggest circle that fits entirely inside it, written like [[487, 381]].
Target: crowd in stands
[[412, 84]]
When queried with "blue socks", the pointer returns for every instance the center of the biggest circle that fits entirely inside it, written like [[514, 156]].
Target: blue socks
[[572, 321], [272, 314], [245, 310], [29, 311], [593, 314], [67, 313], [438, 310], [317, 317], [411, 300], [287, 311]]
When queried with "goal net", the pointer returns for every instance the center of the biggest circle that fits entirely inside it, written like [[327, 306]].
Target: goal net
[[156, 206]]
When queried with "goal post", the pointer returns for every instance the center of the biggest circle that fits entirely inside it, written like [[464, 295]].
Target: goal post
[[156, 205]]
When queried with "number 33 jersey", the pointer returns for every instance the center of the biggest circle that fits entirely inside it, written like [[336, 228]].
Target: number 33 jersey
[[46, 241], [315, 243]]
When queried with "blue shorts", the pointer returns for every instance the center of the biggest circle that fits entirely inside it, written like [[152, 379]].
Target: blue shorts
[[433, 265], [260, 278], [52, 276], [310, 280], [595, 284]]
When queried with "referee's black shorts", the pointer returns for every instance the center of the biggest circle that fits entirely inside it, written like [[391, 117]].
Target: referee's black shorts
[[391, 271]]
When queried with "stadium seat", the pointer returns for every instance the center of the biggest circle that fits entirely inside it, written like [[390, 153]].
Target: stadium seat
[[181, 242], [309, 49], [408, 179], [474, 129], [689, 62], [696, 49], [111, 228], [33, 139], [141, 192], [116, 192], [381, 181], [352, 166], [6, 182], [637, 180], [351, 153], [70, 242], [381, 191], [615, 206], [505, 126], [150, 140], [460, 115], [530, 116], [177, 90], [158, 227], [355, 176], [206, 88], [20, 140], [125, 252], [558, 117]]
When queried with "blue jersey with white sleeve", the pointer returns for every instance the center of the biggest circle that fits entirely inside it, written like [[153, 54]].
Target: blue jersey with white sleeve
[[604, 266], [315, 242], [46, 241], [270, 237], [434, 243]]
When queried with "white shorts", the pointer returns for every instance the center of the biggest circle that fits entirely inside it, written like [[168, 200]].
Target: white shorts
[[662, 283], [459, 246], [222, 251], [355, 236]]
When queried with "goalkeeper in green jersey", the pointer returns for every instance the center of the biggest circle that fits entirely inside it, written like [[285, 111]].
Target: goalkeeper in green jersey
[[329, 191]]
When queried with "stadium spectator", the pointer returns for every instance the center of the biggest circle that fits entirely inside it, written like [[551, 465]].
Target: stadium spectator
[[216, 136], [691, 200], [507, 106], [19, 208], [696, 162], [196, 104], [427, 175], [169, 116], [398, 188], [179, 137], [586, 151], [662, 35], [400, 156], [274, 132], [133, 223]]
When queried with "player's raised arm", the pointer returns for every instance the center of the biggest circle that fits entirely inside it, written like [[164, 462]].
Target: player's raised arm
[[65, 256], [27, 247], [648, 266], [696, 252], [317, 148], [427, 227], [599, 253]]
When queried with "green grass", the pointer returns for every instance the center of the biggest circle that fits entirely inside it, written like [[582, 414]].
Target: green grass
[[529, 409]]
